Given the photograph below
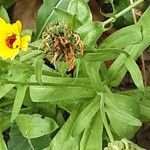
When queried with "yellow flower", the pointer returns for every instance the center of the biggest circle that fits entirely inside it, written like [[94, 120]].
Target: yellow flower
[[10, 39]]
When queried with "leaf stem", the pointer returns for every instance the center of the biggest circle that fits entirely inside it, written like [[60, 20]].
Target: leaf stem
[[103, 115], [43, 84], [122, 12], [29, 141]]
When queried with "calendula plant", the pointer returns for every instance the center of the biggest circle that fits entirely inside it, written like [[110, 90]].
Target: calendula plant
[[59, 94]]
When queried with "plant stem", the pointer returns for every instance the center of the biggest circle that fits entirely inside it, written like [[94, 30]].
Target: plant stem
[[103, 115], [122, 12], [30, 144], [43, 84], [133, 12]]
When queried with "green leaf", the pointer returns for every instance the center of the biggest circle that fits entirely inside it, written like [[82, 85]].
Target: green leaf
[[59, 93], [3, 14], [135, 72], [4, 120], [145, 110], [33, 126], [21, 90], [62, 67], [123, 112], [144, 22], [7, 3], [90, 32], [41, 142], [26, 32], [2, 143], [85, 117], [124, 37], [123, 116], [71, 20], [120, 108], [103, 55], [32, 54], [63, 81], [77, 64], [127, 18], [5, 89], [63, 139], [17, 75], [36, 44], [92, 136], [17, 141], [65, 89], [92, 69], [46, 14], [118, 69], [26, 144], [38, 70], [80, 7]]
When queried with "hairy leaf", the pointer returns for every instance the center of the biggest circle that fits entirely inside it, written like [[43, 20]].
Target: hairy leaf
[[123, 113], [90, 32], [21, 90], [126, 36], [4, 120], [85, 117], [118, 69], [92, 136], [145, 110], [71, 20], [26, 144], [80, 7], [3, 14], [135, 72], [33, 126], [64, 89], [63, 139]]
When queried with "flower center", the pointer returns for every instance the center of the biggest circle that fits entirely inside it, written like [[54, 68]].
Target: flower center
[[10, 40]]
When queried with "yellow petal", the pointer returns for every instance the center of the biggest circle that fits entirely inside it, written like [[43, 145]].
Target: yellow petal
[[18, 23], [16, 27], [4, 27], [24, 42], [17, 42], [7, 53], [2, 21]]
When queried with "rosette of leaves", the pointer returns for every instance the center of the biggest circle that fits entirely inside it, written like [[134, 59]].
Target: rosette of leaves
[[61, 43]]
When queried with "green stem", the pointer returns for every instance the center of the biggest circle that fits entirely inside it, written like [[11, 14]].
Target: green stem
[[122, 12], [103, 115], [43, 84], [30, 144]]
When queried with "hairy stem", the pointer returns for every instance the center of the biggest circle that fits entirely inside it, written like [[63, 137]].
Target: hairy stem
[[43, 84]]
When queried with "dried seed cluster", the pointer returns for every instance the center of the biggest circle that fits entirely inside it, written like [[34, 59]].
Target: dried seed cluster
[[60, 43]]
